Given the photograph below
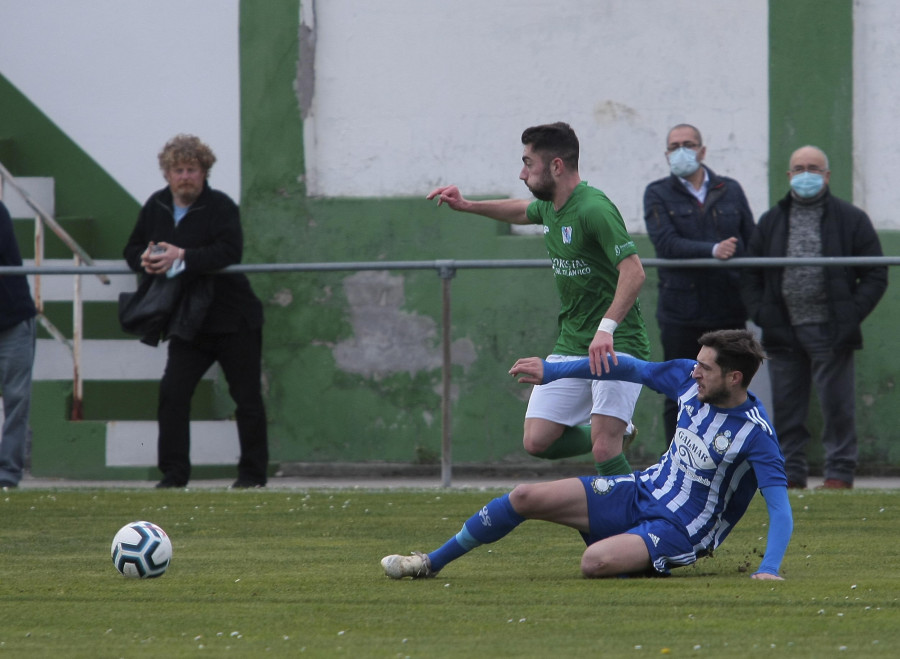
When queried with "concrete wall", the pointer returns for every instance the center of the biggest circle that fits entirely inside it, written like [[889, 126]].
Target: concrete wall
[[342, 115], [415, 95], [120, 78]]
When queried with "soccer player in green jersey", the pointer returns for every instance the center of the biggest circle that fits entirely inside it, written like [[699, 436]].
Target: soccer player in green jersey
[[598, 277]]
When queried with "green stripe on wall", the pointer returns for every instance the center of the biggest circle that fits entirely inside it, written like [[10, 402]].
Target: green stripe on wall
[[811, 88]]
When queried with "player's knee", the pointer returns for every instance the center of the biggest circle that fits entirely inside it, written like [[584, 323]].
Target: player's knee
[[522, 499], [536, 443], [594, 566], [603, 559]]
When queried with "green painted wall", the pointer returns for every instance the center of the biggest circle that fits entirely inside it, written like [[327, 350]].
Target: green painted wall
[[32, 145], [811, 88], [319, 411]]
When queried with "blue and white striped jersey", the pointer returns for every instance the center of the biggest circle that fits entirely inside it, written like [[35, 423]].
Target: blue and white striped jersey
[[718, 458]]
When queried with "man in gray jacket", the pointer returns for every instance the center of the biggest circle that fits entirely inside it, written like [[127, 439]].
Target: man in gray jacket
[[810, 316]]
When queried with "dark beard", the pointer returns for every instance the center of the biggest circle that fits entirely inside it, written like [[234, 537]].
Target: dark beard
[[545, 188], [715, 398]]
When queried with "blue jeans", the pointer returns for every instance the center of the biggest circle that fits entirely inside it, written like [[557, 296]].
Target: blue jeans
[[16, 361], [833, 374]]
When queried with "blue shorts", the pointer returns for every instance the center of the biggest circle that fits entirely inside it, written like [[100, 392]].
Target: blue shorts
[[617, 504]]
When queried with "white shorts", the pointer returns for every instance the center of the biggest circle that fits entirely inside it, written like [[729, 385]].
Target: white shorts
[[572, 401]]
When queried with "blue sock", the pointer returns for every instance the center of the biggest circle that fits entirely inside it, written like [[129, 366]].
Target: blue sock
[[489, 524]]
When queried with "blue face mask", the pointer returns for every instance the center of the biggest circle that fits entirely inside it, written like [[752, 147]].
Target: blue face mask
[[683, 162], [807, 184]]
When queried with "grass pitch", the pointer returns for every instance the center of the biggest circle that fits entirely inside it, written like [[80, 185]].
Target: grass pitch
[[288, 573]]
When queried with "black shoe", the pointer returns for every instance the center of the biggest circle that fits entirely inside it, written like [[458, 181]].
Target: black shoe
[[166, 484], [8, 485], [246, 484]]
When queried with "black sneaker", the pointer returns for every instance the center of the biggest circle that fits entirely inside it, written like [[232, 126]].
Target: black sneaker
[[8, 485], [167, 484], [246, 484]]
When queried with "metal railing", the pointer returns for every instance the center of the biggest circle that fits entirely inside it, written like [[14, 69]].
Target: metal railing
[[42, 218], [446, 269]]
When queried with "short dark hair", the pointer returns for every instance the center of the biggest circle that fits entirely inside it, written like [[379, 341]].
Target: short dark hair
[[556, 140], [693, 128], [736, 350]]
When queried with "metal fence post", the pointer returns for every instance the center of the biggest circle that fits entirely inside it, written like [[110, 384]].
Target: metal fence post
[[447, 272]]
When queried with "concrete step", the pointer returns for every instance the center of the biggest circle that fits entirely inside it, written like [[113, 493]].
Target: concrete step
[[41, 189], [60, 288], [133, 443], [103, 360]]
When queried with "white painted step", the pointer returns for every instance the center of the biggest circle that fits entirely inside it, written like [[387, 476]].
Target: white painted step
[[133, 443], [40, 188], [61, 288], [103, 359]]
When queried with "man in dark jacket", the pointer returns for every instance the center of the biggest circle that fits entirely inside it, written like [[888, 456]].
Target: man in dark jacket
[[189, 230], [17, 313], [691, 214], [811, 316]]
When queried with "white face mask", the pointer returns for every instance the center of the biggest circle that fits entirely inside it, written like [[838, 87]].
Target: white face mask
[[683, 162]]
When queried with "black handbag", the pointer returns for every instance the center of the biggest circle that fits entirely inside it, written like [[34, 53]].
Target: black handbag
[[147, 311]]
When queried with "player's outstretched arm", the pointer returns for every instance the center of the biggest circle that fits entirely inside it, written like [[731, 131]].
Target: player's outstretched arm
[[781, 525], [512, 211], [534, 370]]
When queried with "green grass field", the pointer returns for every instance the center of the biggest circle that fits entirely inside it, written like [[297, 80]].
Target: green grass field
[[288, 573]]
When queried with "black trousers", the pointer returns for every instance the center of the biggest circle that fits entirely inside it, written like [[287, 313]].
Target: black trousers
[[239, 355], [679, 342]]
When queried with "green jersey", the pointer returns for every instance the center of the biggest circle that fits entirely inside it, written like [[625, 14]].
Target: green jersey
[[586, 240]]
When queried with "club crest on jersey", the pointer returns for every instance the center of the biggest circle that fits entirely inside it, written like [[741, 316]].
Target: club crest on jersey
[[567, 235], [722, 441], [602, 485], [692, 450]]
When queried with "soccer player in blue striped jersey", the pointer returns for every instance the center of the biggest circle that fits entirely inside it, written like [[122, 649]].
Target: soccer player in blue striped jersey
[[673, 512]]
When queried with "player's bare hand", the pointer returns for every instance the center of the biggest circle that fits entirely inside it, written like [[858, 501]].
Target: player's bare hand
[[530, 368], [601, 353], [450, 195], [726, 249], [766, 576]]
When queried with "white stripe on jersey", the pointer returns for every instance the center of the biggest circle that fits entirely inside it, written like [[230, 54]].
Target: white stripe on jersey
[[707, 457]]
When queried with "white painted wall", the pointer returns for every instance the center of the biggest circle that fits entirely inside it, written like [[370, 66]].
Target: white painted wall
[[415, 93], [410, 94], [876, 97], [121, 77]]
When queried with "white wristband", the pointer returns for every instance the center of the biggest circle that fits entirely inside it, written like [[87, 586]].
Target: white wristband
[[608, 325]]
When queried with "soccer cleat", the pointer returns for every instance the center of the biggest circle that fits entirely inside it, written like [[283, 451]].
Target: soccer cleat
[[415, 565], [629, 437]]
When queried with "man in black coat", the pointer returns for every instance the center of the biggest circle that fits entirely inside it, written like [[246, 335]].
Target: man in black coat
[[694, 213], [810, 316], [189, 230]]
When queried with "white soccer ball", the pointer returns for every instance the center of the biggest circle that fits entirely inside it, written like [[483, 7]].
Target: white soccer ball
[[141, 550]]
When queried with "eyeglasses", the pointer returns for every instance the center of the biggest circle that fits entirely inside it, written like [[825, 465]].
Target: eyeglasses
[[812, 169], [674, 146]]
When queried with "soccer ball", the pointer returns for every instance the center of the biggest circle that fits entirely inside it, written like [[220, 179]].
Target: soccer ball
[[141, 550]]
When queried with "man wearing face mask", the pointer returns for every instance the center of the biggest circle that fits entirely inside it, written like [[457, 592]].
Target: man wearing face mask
[[811, 316], [694, 213]]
